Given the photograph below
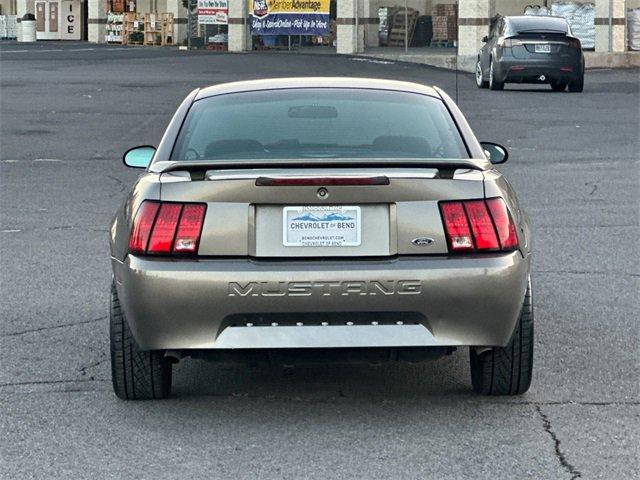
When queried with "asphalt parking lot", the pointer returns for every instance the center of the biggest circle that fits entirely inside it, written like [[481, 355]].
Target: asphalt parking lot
[[67, 114]]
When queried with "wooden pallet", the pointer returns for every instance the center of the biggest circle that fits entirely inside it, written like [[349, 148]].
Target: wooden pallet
[[397, 37], [152, 34], [129, 27], [166, 29]]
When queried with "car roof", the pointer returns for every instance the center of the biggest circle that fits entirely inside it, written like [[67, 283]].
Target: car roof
[[315, 82], [545, 22]]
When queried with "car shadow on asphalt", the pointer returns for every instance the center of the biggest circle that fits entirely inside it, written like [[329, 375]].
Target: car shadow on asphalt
[[313, 382]]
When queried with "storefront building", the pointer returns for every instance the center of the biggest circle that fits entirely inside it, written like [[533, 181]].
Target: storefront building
[[55, 19], [107, 18], [88, 19], [364, 25]]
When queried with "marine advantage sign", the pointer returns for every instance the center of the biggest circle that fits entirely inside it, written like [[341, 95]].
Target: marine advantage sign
[[289, 17]]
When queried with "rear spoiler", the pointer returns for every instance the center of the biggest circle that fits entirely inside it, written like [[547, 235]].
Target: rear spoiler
[[203, 165]]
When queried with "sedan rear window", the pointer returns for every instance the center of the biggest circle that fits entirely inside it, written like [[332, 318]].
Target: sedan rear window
[[538, 24], [318, 123]]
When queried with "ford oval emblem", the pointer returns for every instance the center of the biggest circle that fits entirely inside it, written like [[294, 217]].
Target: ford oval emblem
[[422, 241]]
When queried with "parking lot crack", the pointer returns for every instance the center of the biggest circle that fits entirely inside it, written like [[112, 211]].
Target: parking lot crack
[[572, 402], [51, 382], [546, 424], [588, 272], [52, 327], [100, 361], [123, 186]]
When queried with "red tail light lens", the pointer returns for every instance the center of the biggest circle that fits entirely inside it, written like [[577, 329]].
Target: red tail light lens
[[189, 229], [504, 225], [142, 224], [481, 225], [164, 228], [319, 181], [457, 227], [478, 225]]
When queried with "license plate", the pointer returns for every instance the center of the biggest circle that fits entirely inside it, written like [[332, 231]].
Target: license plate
[[320, 226], [541, 48]]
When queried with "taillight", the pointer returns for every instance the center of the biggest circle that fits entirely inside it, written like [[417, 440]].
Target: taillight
[[482, 227], [142, 224], [478, 226], [319, 181], [504, 225], [189, 229], [164, 229], [509, 42], [167, 227], [574, 43], [457, 226]]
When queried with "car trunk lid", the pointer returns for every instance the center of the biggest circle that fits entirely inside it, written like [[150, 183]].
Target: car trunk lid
[[540, 45]]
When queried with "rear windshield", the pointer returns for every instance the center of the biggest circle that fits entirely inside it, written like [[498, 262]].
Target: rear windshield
[[533, 24], [317, 124]]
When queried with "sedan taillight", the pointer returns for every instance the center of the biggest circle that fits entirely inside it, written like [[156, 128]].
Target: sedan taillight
[[574, 43], [509, 42], [478, 226], [167, 228]]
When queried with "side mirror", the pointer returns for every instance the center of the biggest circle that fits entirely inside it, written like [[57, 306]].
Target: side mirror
[[485, 39], [494, 152], [139, 157]]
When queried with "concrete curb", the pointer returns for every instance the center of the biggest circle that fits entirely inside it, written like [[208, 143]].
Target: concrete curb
[[466, 63]]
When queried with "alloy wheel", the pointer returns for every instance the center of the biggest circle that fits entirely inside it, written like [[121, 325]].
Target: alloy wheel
[[479, 79]]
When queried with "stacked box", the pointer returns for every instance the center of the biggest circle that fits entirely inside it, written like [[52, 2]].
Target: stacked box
[[444, 9], [3, 26], [444, 18], [445, 28]]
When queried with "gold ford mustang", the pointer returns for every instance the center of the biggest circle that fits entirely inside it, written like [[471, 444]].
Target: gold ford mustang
[[323, 219]]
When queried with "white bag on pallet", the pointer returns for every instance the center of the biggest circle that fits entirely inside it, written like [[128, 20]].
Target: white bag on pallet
[[11, 26], [633, 28], [581, 19], [537, 10]]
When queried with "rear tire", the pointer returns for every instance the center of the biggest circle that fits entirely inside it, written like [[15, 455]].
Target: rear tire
[[507, 370], [136, 374], [480, 81], [558, 86], [577, 85], [493, 83]]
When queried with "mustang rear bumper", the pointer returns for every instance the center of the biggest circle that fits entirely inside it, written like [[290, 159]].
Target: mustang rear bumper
[[245, 303]]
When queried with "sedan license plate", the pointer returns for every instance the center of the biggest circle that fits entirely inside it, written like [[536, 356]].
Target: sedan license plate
[[320, 226], [542, 48]]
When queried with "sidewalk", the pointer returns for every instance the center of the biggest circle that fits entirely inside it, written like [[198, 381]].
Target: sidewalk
[[436, 57], [446, 57]]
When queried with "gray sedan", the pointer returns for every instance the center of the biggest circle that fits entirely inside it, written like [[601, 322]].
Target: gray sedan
[[319, 219]]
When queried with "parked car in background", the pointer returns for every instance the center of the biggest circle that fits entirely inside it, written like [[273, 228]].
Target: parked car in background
[[531, 49], [333, 218]]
